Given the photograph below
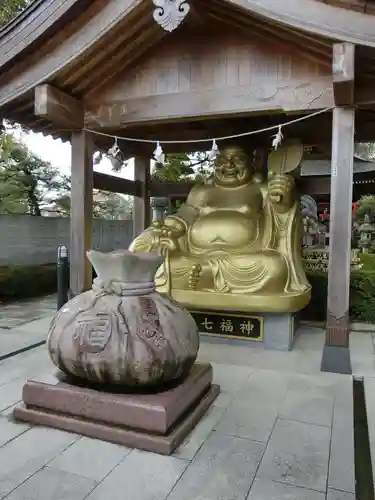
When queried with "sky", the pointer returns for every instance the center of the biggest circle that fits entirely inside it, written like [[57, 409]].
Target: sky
[[58, 154]]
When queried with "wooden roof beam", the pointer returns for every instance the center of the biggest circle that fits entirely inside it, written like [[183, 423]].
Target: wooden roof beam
[[309, 185], [312, 185], [170, 189], [113, 184], [61, 109], [343, 73], [206, 103]]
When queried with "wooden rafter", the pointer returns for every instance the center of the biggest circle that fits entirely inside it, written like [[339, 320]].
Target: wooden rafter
[[119, 36], [109, 53], [80, 42], [317, 50], [124, 58], [322, 19], [25, 29]]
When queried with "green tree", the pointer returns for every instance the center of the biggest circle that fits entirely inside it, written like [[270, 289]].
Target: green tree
[[203, 165], [365, 206], [176, 168], [110, 206], [27, 183], [182, 167], [10, 9]]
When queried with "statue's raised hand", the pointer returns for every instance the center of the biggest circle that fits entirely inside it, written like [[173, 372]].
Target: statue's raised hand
[[281, 189], [166, 236]]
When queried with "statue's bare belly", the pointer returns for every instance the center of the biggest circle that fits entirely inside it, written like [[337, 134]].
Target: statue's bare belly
[[223, 229]]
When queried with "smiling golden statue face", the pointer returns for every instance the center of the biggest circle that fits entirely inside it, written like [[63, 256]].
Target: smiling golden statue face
[[232, 168]]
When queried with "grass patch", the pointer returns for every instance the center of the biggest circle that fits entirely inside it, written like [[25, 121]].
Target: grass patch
[[25, 282], [367, 261]]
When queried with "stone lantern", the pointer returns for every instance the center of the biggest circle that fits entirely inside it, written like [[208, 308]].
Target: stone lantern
[[366, 231], [159, 207]]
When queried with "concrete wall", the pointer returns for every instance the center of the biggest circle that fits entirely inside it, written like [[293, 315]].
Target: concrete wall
[[34, 240]]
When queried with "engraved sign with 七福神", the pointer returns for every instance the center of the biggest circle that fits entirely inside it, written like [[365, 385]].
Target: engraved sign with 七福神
[[238, 326]]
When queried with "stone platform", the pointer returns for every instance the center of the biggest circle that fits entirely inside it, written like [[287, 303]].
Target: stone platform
[[154, 422], [279, 429]]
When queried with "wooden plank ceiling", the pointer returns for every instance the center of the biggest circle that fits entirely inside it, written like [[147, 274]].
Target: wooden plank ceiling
[[66, 26]]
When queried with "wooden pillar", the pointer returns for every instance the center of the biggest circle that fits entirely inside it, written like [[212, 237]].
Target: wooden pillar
[[81, 212], [336, 355], [141, 210]]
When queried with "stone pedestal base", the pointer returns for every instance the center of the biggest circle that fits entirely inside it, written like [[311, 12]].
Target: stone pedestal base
[[153, 422], [275, 331], [280, 331]]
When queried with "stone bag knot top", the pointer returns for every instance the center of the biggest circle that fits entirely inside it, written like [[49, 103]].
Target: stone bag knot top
[[124, 276]]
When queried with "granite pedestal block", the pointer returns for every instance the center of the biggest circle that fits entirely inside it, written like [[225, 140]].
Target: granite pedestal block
[[156, 422], [279, 331]]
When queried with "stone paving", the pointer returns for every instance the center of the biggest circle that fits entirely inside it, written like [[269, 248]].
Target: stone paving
[[16, 314], [25, 323], [280, 430], [272, 434]]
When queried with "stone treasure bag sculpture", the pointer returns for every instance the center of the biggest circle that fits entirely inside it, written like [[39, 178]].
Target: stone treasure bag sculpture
[[122, 331]]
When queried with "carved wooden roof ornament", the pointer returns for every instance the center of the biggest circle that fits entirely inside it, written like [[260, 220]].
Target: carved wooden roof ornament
[[169, 14]]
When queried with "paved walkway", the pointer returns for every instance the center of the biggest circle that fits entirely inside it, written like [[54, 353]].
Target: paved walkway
[[270, 435], [280, 430], [25, 323], [16, 314]]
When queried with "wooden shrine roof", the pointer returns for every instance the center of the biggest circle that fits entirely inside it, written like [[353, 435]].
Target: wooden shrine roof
[[365, 6], [79, 46]]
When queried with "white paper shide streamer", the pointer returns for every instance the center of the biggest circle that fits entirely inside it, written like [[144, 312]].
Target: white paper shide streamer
[[277, 138], [212, 155], [117, 157], [114, 151], [159, 154]]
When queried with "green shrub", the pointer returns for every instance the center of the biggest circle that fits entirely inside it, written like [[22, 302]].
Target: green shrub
[[316, 310], [21, 282], [362, 296]]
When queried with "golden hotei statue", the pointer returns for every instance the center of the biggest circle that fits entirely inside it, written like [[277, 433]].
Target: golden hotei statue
[[235, 245]]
